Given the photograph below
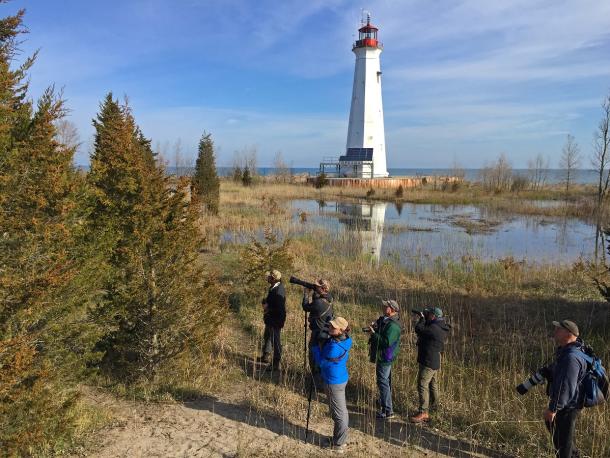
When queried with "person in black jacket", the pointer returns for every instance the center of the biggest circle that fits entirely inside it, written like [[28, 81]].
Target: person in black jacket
[[566, 399], [320, 311], [274, 316], [431, 331]]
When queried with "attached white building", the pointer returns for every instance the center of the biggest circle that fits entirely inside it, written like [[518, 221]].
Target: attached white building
[[365, 149]]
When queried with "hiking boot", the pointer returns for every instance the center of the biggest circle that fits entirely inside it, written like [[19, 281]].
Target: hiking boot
[[328, 444], [340, 449], [385, 416], [421, 417], [274, 367], [266, 358]]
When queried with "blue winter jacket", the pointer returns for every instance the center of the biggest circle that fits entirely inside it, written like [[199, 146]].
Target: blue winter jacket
[[332, 359], [568, 371]]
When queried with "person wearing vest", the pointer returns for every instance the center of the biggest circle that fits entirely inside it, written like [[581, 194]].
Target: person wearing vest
[[320, 311], [566, 399], [331, 357], [432, 332], [274, 317], [385, 338]]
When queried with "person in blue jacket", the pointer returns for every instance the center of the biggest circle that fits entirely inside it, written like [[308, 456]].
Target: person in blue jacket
[[331, 357]]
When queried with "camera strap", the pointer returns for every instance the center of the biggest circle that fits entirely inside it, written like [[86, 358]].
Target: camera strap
[[338, 358]]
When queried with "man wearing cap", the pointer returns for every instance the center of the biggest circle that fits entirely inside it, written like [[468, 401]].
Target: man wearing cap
[[565, 398], [331, 357], [320, 311], [274, 316], [385, 339], [431, 331]]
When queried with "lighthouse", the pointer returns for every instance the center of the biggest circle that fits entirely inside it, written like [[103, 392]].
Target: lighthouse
[[365, 149]]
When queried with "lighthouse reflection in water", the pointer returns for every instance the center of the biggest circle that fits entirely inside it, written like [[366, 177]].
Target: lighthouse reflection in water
[[364, 226]]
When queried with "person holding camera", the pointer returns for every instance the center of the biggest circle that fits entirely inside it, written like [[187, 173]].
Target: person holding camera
[[384, 344], [432, 332], [320, 311], [566, 396], [274, 317], [331, 357]]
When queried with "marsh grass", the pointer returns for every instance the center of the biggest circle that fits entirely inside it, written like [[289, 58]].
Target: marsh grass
[[500, 313]]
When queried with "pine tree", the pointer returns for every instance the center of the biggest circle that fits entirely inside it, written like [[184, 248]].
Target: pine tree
[[205, 181], [158, 301], [38, 261], [246, 178]]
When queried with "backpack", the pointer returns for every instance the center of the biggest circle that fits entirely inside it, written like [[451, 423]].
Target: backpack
[[595, 382]]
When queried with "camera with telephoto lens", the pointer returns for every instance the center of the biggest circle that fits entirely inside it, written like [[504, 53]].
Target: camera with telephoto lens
[[305, 284], [538, 377]]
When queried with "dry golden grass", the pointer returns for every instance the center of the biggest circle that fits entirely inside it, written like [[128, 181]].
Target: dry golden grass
[[500, 312]]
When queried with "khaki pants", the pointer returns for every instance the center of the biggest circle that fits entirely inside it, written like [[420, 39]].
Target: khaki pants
[[427, 388]]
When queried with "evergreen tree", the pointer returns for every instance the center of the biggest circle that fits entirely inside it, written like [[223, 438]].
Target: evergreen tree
[[158, 301], [38, 262], [246, 178], [205, 181]]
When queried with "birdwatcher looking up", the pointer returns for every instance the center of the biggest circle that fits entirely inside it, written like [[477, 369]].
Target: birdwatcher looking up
[[274, 317], [318, 303], [432, 331], [331, 357], [384, 346]]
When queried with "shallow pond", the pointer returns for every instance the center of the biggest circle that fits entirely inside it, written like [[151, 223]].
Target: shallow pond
[[418, 234]]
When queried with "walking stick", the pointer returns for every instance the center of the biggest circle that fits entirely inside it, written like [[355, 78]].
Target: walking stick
[[311, 385], [305, 345]]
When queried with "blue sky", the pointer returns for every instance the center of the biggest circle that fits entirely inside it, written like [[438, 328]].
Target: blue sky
[[463, 79]]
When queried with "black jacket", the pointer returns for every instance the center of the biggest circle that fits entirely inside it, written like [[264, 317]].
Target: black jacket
[[275, 315], [431, 337], [320, 310]]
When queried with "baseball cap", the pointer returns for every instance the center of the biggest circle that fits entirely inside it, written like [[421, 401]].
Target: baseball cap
[[435, 310], [567, 324], [339, 323], [275, 274], [392, 304]]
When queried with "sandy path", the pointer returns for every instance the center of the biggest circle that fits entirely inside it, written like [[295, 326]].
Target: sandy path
[[215, 428]]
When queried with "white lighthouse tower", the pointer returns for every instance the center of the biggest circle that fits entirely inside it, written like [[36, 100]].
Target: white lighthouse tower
[[365, 150]]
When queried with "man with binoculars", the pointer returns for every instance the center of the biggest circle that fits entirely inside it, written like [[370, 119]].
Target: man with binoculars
[[384, 345], [431, 331]]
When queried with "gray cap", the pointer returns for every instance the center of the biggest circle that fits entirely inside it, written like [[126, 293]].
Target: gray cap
[[392, 304], [567, 324]]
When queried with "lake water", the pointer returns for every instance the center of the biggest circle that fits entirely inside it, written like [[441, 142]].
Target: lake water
[[419, 234]]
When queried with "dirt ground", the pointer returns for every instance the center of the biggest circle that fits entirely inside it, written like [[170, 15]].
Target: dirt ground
[[213, 427]]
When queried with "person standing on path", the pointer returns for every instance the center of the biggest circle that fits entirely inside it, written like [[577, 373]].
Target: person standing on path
[[331, 357], [385, 339], [274, 317], [320, 311], [431, 331], [566, 397]]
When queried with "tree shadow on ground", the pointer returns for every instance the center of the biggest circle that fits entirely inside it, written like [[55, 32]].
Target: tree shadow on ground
[[396, 431]]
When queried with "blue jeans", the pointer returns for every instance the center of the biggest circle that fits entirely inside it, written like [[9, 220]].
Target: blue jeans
[[384, 382]]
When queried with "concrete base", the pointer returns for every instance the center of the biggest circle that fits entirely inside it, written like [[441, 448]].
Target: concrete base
[[388, 183]]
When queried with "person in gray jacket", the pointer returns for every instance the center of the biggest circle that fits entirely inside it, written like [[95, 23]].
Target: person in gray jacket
[[566, 398]]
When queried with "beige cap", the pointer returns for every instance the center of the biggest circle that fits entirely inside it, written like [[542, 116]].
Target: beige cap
[[324, 284], [339, 323], [275, 274]]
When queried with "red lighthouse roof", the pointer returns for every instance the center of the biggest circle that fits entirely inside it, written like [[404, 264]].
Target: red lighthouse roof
[[367, 37]]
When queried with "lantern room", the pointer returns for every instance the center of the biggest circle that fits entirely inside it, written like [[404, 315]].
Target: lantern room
[[367, 37]]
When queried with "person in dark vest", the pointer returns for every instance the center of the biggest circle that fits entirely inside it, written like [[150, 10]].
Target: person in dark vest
[[320, 310], [566, 399], [432, 332], [385, 337], [274, 316]]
